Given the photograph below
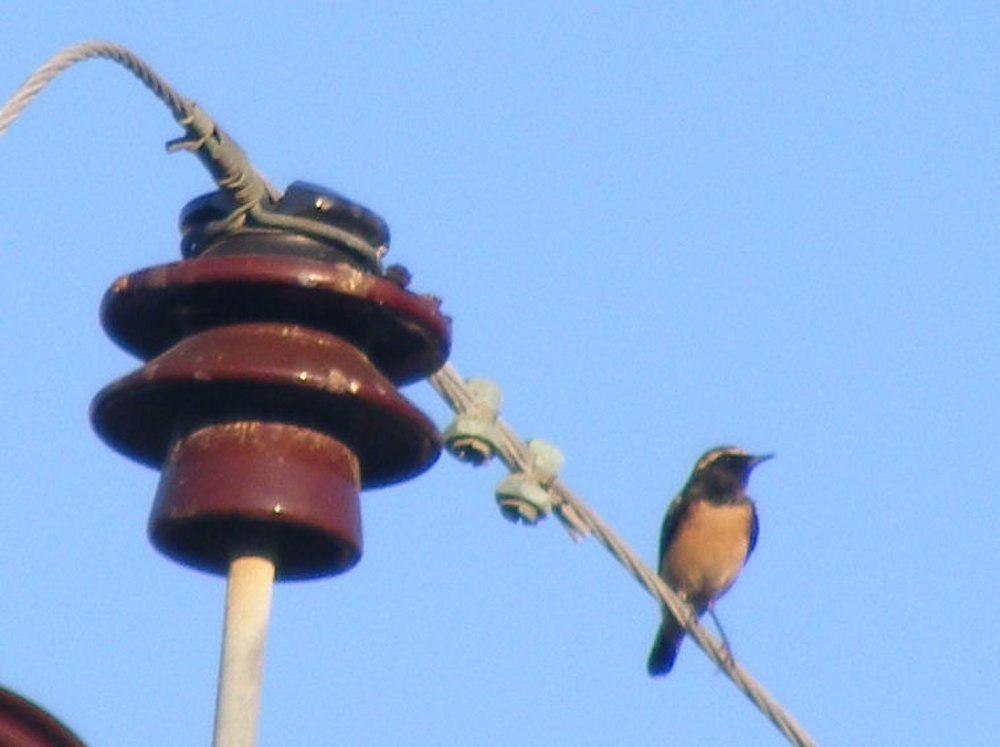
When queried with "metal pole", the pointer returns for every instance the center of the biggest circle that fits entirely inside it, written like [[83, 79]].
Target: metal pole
[[248, 606]]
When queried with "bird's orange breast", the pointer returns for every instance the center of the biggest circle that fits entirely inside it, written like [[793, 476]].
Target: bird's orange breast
[[708, 550]]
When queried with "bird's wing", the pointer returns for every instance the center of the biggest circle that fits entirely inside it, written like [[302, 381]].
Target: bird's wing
[[754, 528], [678, 507]]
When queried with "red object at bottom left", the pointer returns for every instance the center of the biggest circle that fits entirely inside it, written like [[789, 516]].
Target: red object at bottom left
[[24, 724]]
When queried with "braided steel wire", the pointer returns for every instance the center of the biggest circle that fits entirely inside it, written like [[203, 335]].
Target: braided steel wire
[[86, 50], [581, 519], [220, 154]]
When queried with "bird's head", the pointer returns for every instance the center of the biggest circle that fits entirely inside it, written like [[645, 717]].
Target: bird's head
[[725, 469]]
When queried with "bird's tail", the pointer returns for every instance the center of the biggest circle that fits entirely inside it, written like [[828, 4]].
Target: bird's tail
[[664, 651]]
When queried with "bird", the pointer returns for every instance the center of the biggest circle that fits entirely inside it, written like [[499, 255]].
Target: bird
[[708, 534]]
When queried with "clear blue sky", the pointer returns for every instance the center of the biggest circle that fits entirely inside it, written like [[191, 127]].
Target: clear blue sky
[[659, 229]]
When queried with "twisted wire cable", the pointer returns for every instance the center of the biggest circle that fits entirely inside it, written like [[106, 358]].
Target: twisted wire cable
[[226, 163], [581, 519], [83, 51], [220, 154]]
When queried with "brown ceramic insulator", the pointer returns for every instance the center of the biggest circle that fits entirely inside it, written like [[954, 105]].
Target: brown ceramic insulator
[[404, 335], [274, 373], [284, 490], [23, 724], [269, 397], [265, 432]]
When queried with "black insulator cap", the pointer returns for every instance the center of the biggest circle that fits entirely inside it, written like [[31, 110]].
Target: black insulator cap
[[201, 219]]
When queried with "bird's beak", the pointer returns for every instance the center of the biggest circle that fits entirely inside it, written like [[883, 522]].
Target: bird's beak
[[758, 458]]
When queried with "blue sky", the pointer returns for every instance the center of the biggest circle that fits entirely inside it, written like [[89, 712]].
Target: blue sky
[[660, 228]]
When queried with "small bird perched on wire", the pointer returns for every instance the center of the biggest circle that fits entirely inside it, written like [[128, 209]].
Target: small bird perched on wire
[[708, 534]]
